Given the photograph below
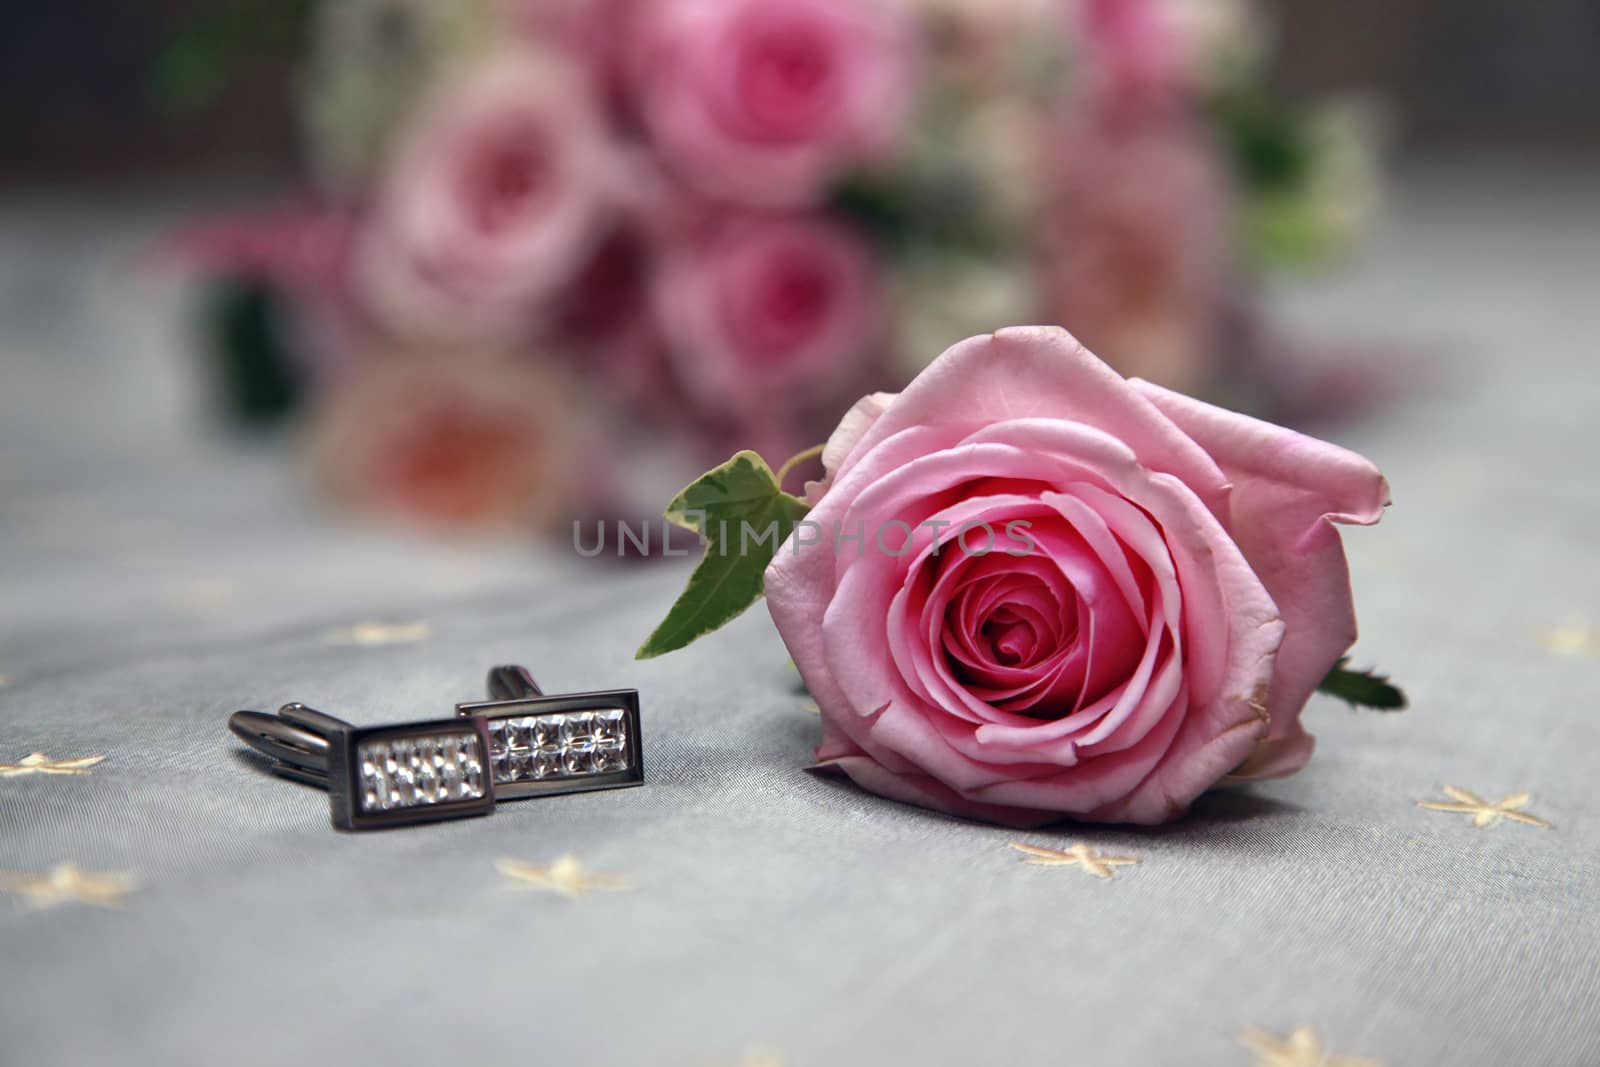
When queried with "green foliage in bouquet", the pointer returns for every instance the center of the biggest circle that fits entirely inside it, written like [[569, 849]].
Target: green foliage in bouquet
[[919, 214], [253, 369], [209, 48], [1307, 177], [1270, 148]]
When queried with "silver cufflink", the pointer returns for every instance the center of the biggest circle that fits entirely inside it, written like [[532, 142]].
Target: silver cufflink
[[543, 745], [519, 743]]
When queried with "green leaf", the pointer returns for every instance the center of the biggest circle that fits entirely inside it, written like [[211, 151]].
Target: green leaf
[[1270, 145], [1362, 689], [744, 516], [913, 212]]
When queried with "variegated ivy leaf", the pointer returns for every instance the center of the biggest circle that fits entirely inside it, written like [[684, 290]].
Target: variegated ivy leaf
[[743, 515]]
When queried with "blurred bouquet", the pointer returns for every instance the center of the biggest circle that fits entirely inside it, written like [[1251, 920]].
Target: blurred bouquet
[[557, 254]]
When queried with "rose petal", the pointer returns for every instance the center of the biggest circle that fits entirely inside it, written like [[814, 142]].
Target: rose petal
[[1043, 371], [800, 581], [856, 422], [1288, 491], [1087, 789]]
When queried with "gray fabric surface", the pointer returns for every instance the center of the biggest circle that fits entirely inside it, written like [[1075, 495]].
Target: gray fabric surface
[[150, 587]]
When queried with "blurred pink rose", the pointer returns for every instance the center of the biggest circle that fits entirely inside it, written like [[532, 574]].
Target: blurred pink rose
[[768, 103], [1179, 594], [301, 246], [1133, 45], [410, 436], [606, 325], [1150, 51], [492, 202], [765, 313], [600, 33], [1134, 244]]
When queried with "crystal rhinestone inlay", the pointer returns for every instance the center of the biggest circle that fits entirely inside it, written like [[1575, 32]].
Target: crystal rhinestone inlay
[[415, 772], [569, 744]]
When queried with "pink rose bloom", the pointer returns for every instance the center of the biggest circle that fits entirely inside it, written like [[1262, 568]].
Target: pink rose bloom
[[491, 204], [1134, 244], [412, 437], [1155, 49], [768, 103], [605, 325], [1177, 595], [300, 246], [1133, 45], [770, 311]]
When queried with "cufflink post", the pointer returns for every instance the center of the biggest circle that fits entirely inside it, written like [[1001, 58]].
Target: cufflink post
[[512, 682]]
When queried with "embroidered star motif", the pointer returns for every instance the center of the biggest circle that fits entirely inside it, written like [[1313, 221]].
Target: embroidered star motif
[[39, 763], [66, 882], [1302, 1048], [1484, 814], [1571, 639], [565, 876], [1079, 855], [372, 634]]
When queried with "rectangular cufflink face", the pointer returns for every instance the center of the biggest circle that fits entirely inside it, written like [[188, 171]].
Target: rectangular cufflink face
[[562, 744], [421, 772]]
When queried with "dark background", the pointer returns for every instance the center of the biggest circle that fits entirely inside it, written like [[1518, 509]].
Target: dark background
[[88, 88]]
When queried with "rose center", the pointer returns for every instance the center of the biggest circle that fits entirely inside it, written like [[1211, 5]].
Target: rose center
[[1011, 639], [1008, 622], [786, 311], [507, 179], [785, 80]]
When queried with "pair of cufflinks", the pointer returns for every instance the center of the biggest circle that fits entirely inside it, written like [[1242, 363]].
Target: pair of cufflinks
[[518, 743]]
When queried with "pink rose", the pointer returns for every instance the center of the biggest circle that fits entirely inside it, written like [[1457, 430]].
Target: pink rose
[[410, 436], [765, 311], [1153, 50], [1182, 594], [492, 202], [1134, 243], [768, 103], [300, 246], [606, 327], [1133, 46]]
